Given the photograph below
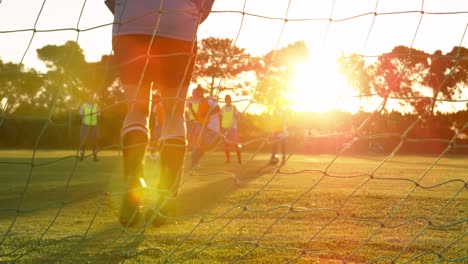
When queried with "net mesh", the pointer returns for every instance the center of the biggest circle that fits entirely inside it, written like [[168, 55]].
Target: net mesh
[[332, 206]]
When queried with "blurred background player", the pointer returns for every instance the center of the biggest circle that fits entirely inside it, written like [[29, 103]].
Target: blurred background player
[[208, 117], [157, 111], [154, 41], [89, 131], [279, 134], [193, 126], [229, 128]]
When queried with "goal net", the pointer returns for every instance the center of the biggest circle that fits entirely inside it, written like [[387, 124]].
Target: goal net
[[373, 170]]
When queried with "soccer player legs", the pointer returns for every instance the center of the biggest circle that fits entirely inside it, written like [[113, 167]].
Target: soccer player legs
[[173, 76], [89, 113], [229, 128], [157, 49]]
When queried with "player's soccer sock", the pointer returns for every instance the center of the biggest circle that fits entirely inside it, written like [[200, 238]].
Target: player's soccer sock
[[95, 157], [172, 159], [239, 156], [172, 156], [197, 153], [134, 143], [228, 158], [82, 152]]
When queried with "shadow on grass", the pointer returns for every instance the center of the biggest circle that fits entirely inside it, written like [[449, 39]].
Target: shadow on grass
[[203, 197], [36, 201]]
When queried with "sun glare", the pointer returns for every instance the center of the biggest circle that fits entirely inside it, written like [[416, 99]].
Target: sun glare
[[318, 85]]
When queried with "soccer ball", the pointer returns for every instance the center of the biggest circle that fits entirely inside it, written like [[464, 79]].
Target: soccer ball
[[274, 160]]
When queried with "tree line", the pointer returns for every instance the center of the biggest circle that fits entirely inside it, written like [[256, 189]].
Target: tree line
[[308, 133], [27, 95], [222, 66]]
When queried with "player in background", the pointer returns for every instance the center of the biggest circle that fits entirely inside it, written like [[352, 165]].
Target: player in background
[[89, 131], [157, 111], [279, 134], [208, 117], [154, 41], [193, 126], [229, 128]]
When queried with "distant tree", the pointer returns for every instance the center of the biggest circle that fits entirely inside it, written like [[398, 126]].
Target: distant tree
[[65, 65], [100, 77], [355, 69], [402, 71], [276, 70], [70, 78], [19, 88], [220, 63], [447, 74], [110, 90], [395, 73]]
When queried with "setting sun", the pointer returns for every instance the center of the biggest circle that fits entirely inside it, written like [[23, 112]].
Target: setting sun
[[317, 86]]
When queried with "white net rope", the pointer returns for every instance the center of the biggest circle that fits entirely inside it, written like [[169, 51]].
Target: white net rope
[[382, 207]]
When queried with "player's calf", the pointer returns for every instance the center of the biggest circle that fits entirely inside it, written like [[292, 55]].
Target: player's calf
[[134, 147], [172, 156]]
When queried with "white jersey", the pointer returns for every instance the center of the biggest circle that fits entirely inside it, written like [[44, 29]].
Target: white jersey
[[177, 19], [213, 122]]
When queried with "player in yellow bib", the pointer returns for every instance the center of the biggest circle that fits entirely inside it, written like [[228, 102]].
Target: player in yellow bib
[[229, 128], [192, 124], [208, 119], [89, 131], [279, 134]]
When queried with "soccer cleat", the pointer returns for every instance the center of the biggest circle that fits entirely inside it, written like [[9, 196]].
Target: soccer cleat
[[130, 211], [155, 218], [154, 156], [196, 166], [274, 160]]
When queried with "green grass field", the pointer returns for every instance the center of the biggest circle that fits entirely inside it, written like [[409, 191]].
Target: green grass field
[[315, 209]]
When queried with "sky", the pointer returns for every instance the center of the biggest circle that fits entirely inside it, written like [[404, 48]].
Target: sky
[[328, 27], [259, 31]]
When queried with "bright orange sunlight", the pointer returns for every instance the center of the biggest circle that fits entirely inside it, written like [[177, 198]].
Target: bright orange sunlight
[[318, 85]]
